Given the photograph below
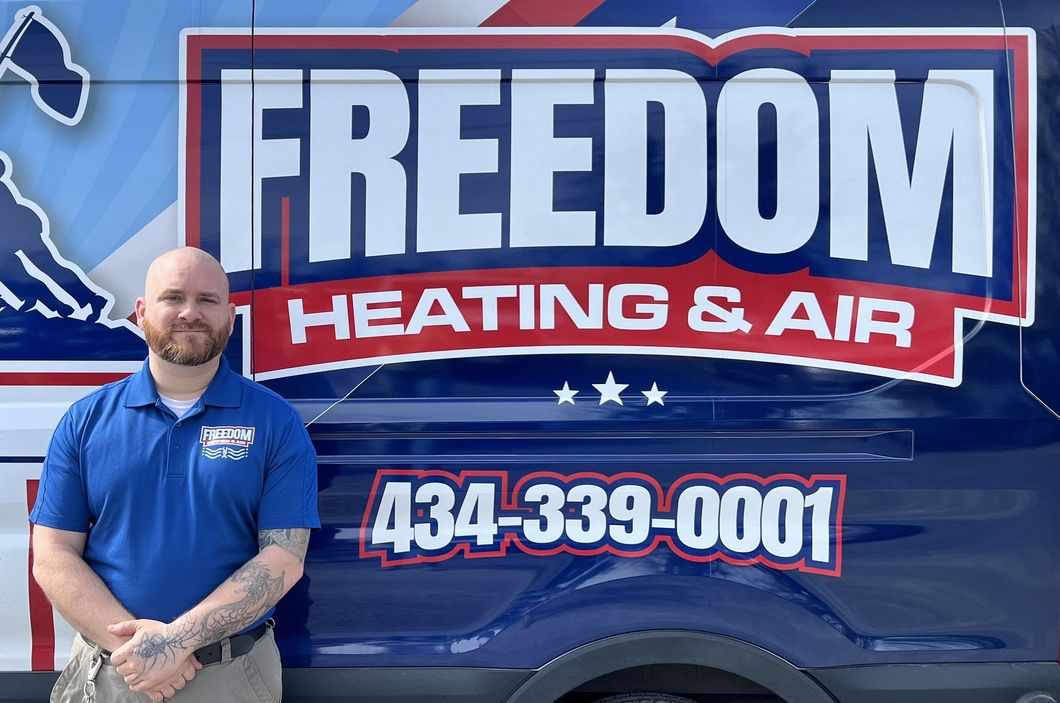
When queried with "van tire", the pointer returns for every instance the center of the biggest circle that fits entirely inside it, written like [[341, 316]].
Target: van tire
[[644, 698]]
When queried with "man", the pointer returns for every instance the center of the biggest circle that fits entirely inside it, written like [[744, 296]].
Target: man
[[174, 511]]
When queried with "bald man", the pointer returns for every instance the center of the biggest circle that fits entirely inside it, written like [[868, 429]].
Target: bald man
[[174, 511]]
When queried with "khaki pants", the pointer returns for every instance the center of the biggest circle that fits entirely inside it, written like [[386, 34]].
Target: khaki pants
[[251, 678]]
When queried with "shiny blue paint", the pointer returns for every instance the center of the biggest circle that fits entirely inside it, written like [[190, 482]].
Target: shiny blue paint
[[932, 548], [950, 523], [949, 556]]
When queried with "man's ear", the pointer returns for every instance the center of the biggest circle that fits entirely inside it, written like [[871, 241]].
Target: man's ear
[[141, 306]]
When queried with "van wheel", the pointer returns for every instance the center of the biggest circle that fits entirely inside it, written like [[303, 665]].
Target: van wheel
[[644, 698]]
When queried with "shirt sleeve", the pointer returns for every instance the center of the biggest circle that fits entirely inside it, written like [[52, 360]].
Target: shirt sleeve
[[61, 501], [289, 498]]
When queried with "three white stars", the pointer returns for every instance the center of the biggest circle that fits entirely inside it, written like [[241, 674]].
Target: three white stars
[[610, 391]]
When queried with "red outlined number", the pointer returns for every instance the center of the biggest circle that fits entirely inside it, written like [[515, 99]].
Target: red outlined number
[[783, 521]]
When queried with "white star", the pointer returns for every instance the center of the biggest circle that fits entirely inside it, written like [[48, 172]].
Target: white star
[[610, 389], [654, 395], [565, 394]]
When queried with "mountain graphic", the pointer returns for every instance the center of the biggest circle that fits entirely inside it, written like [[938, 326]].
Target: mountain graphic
[[49, 309]]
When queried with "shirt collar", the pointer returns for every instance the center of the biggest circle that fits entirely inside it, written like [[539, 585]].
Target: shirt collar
[[224, 390]]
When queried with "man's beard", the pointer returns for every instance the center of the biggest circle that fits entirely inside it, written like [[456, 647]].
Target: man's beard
[[193, 350]]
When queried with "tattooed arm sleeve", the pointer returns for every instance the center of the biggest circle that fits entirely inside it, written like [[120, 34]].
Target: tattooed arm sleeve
[[241, 600]]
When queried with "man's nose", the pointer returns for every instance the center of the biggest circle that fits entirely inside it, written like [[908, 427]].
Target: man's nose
[[190, 311]]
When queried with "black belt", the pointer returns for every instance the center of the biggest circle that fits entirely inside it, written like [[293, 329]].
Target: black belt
[[237, 646]]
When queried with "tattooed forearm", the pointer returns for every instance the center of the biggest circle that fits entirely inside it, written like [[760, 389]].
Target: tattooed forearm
[[293, 540], [243, 599], [259, 590]]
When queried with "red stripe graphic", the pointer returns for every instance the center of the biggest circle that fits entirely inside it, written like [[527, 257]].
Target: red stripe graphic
[[541, 13], [59, 378], [41, 619]]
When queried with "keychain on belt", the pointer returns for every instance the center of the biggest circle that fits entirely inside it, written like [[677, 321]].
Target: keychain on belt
[[89, 689]]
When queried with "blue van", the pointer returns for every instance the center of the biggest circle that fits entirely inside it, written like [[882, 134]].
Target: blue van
[[653, 352]]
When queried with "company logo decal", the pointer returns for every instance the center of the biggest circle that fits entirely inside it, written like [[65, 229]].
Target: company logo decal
[[838, 199], [782, 521], [226, 442]]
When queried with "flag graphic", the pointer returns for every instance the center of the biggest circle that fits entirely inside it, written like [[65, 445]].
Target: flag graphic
[[36, 50]]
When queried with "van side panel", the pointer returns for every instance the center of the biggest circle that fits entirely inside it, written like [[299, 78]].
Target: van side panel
[[696, 348]]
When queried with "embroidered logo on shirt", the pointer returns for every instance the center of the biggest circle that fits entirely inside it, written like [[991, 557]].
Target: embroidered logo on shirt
[[226, 442]]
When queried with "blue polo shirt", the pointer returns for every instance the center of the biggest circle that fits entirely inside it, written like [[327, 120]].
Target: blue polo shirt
[[172, 507]]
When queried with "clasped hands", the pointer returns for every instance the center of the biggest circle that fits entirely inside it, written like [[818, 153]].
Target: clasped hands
[[149, 661]]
